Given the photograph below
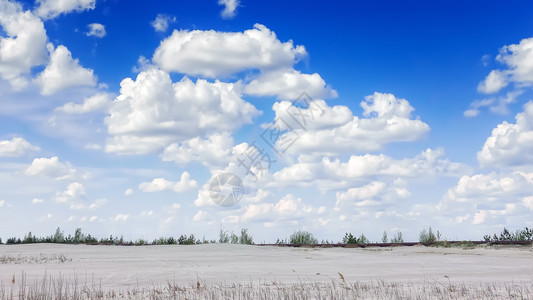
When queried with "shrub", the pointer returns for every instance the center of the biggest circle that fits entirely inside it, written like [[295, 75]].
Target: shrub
[[223, 237], [190, 240], [281, 241], [29, 239], [234, 238], [397, 238], [59, 236], [13, 240], [246, 238], [384, 238], [427, 236], [350, 239], [525, 234], [302, 238]]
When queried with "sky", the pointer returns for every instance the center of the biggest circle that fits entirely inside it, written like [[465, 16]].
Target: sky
[[128, 117]]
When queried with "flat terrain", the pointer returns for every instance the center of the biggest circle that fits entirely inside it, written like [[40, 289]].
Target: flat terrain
[[124, 267]]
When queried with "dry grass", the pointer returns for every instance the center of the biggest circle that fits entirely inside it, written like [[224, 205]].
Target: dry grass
[[71, 288], [41, 259]]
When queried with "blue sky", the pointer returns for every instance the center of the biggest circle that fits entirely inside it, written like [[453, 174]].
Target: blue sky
[[116, 115]]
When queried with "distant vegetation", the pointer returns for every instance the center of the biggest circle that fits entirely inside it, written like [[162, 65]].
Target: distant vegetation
[[525, 234], [427, 236], [81, 238], [299, 237]]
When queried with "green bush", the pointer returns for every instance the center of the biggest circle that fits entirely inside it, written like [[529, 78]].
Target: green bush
[[427, 236], [397, 238], [302, 238], [223, 237], [384, 238], [246, 238], [525, 234], [350, 239]]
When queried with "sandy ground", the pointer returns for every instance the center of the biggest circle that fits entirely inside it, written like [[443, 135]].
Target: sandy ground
[[121, 267]]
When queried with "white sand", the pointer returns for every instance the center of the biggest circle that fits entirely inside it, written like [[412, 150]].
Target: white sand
[[121, 267]]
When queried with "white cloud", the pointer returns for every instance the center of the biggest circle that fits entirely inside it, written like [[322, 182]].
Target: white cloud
[[321, 129], [24, 43], [37, 201], [473, 111], [49, 9], [499, 105], [230, 8], [490, 198], [152, 112], [121, 217], [332, 174], [74, 193], [96, 30], [495, 81], [518, 58], [213, 151], [375, 193], [161, 184], [16, 147], [98, 102], [128, 192], [161, 22], [81, 205], [289, 84], [201, 216], [53, 168], [2, 203], [510, 144], [213, 54], [289, 207], [63, 72]]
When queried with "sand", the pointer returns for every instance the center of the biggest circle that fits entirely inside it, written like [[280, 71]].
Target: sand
[[122, 267]]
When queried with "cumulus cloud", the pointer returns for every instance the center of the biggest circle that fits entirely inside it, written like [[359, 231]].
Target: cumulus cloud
[[162, 22], [96, 30], [333, 173], [49, 9], [212, 151], [289, 85], [510, 144], [161, 184], [518, 58], [24, 43], [98, 102], [321, 129], [230, 8], [490, 198], [152, 112], [74, 192], [214, 54], [16, 147], [53, 168], [288, 207], [495, 81], [373, 194], [62, 72]]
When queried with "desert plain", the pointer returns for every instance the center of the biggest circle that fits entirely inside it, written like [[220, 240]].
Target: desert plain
[[138, 271]]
